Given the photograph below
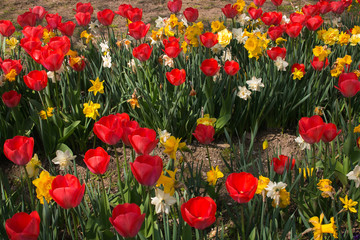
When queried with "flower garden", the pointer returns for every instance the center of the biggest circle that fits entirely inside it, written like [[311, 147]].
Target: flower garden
[[81, 91]]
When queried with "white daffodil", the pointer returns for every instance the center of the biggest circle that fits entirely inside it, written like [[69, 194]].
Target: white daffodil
[[273, 190], [63, 158], [160, 22], [255, 84], [302, 144], [244, 93], [281, 64], [107, 61], [168, 61], [104, 46], [238, 34], [355, 176], [162, 201], [132, 65], [164, 135], [217, 48], [243, 19]]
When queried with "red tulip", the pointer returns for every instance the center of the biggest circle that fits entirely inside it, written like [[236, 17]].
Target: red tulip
[[143, 140], [276, 2], [35, 33], [9, 64], [97, 160], [271, 18], [60, 43], [172, 49], [53, 20], [259, 3], [337, 7], [23, 226], [51, 60], [134, 14], [210, 67], [191, 14], [174, 6], [106, 17], [230, 11], [128, 128], [36, 80], [330, 132], [231, 67], [255, 13], [324, 7], [84, 7], [176, 77], [108, 129], [138, 30], [298, 67], [122, 9], [319, 65], [199, 212], [276, 52], [346, 3], [147, 169], [39, 11], [67, 191], [77, 65], [123, 117], [204, 133], [311, 10], [27, 19], [11, 99], [30, 44], [83, 18], [142, 52], [127, 219], [35, 53], [314, 23], [241, 186], [349, 84], [209, 39], [279, 164], [275, 32], [311, 129], [19, 149], [298, 18], [67, 28], [293, 29], [6, 28]]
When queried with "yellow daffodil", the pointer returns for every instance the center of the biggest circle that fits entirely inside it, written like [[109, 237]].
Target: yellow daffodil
[[262, 184], [43, 115], [11, 75], [43, 185], [12, 42], [331, 36], [284, 199], [319, 111], [324, 185], [343, 38], [168, 182], [321, 52], [319, 229], [171, 145], [217, 26], [298, 74], [47, 35], [224, 37], [91, 110], [50, 111], [213, 175], [33, 166], [307, 172], [86, 35], [265, 144], [280, 40], [349, 204], [97, 86]]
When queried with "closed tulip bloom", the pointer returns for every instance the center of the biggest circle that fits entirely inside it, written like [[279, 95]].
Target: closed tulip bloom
[[127, 219], [255, 13], [311, 129], [83, 18], [259, 3], [142, 52], [276, 52], [147, 169], [210, 67], [122, 9], [134, 14], [77, 63], [293, 29], [9, 64], [27, 19], [97, 160], [50, 59], [241, 186], [39, 11], [298, 18], [36, 80], [311, 10], [84, 7], [330, 132], [128, 127], [279, 164], [60, 43], [176, 77], [23, 226], [19, 149], [349, 84], [11, 99], [143, 140], [324, 7], [199, 212], [229, 11], [67, 28], [231, 67], [138, 30], [337, 7], [174, 6], [172, 50], [191, 14], [275, 32], [204, 133], [106, 17], [314, 23], [53, 20], [108, 129], [35, 33], [67, 191], [319, 65], [6, 28], [277, 2], [209, 39], [347, 3], [271, 18]]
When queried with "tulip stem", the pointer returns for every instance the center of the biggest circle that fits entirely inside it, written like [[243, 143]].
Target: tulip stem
[[57, 93], [208, 155], [242, 222], [151, 215], [313, 156], [75, 225], [29, 186], [119, 173]]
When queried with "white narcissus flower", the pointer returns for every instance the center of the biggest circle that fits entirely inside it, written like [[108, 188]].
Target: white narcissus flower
[[217, 48], [273, 190], [168, 61], [302, 144], [94, 25], [255, 84], [243, 19], [132, 65], [107, 60], [239, 35], [104, 46], [281, 64], [355, 176], [162, 201], [244, 93], [160, 22], [63, 158], [164, 135]]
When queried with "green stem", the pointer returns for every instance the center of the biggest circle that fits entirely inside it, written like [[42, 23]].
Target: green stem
[[242, 222], [313, 156], [151, 217], [29, 186], [208, 155], [119, 173], [75, 225], [57, 93]]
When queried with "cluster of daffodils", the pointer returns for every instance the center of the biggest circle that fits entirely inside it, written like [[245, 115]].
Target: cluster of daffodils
[[276, 191], [340, 64], [256, 43], [254, 84], [333, 36], [91, 109], [105, 54]]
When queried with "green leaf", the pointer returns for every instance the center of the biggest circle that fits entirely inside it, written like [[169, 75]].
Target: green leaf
[[69, 130], [186, 233]]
